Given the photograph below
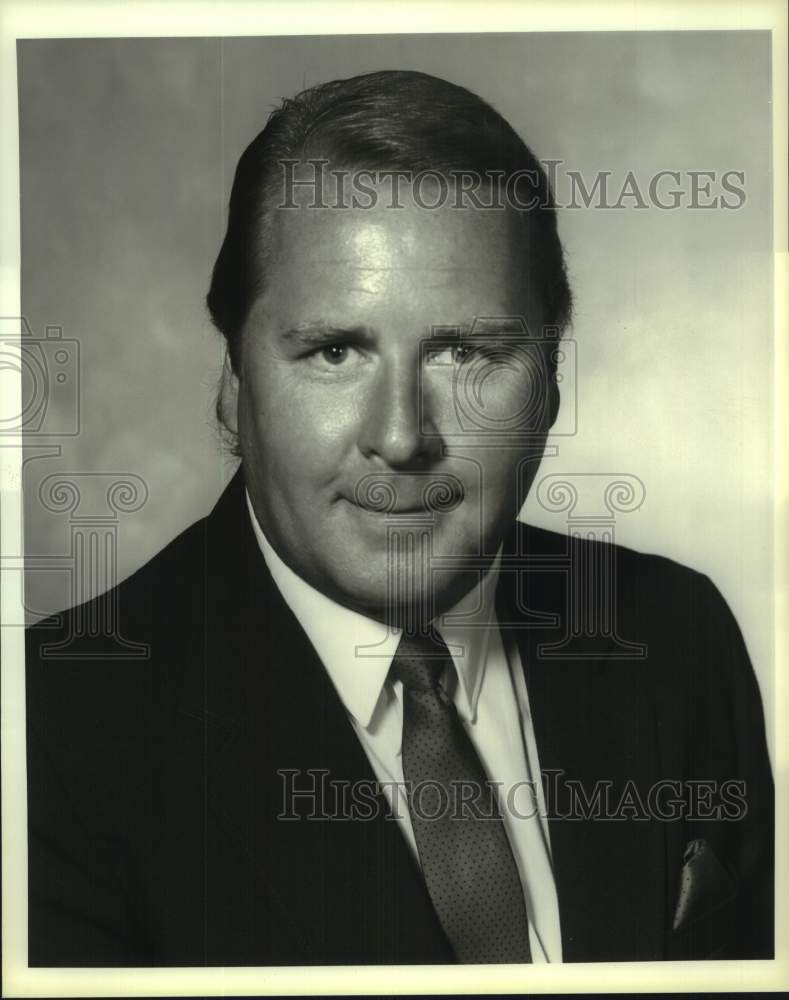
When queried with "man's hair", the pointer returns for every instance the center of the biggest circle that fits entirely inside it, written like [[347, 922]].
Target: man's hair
[[390, 120]]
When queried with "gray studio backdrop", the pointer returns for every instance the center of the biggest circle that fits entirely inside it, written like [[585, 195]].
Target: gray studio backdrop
[[128, 148]]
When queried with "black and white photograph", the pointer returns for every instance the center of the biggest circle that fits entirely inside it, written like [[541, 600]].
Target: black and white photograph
[[395, 426]]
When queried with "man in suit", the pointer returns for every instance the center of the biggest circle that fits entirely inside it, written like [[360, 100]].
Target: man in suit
[[359, 735]]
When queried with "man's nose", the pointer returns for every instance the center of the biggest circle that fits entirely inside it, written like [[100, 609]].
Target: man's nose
[[398, 424]]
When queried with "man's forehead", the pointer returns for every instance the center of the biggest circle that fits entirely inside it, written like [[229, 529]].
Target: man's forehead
[[386, 238]]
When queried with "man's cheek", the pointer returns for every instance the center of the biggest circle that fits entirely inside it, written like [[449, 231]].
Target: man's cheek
[[498, 486]]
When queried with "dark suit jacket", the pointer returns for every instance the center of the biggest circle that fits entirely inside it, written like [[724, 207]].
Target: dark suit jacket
[[154, 787]]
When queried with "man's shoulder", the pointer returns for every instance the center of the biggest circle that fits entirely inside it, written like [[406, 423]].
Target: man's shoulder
[[123, 648], [545, 548], [171, 569], [673, 619], [679, 611]]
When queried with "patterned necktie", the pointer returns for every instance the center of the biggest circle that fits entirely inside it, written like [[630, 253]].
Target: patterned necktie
[[466, 858]]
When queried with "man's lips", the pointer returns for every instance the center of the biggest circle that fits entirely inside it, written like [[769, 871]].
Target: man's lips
[[424, 493], [416, 509]]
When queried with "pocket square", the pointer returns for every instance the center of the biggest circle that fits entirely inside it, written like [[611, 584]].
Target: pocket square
[[704, 884]]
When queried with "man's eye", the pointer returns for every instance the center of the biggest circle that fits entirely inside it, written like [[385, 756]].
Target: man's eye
[[335, 354], [452, 354], [464, 351]]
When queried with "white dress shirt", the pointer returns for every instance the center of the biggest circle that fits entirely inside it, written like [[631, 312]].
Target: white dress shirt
[[489, 692]]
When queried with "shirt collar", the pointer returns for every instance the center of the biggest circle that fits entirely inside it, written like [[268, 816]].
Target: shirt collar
[[357, 651]]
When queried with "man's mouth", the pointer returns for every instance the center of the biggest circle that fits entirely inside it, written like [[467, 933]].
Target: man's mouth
[[392, 511], [398, 496]]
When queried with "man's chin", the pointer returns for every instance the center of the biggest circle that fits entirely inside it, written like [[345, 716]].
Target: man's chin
[[376, 599], [388, 567], [399, 592]]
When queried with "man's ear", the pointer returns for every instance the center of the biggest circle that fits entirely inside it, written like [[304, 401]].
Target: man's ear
[[553, 401], [551, 343], [227, 398]]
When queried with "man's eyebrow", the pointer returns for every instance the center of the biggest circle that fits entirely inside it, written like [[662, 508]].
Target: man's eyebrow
[[487, 327], [320, 332]]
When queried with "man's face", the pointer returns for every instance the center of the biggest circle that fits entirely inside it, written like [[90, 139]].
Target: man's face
[[349, 422]]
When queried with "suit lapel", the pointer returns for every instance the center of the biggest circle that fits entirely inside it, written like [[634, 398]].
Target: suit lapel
[[594, 727], [341, 890]]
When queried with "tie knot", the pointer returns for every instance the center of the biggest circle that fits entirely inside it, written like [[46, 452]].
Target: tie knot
[[420, 660]]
